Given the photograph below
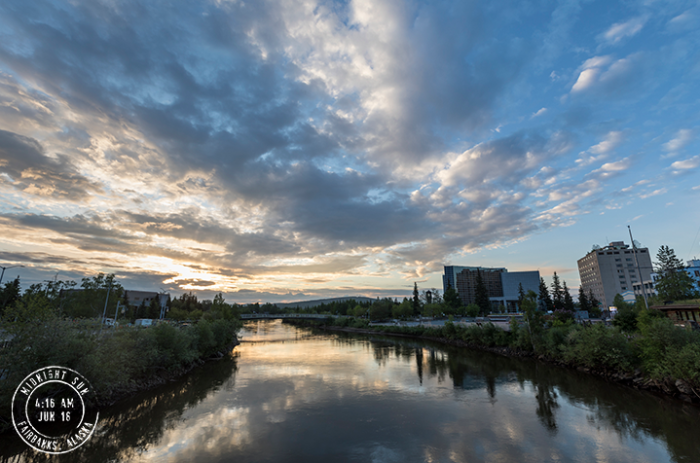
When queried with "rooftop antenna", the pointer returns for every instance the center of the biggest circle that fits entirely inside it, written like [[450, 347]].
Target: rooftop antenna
[[639, 270]]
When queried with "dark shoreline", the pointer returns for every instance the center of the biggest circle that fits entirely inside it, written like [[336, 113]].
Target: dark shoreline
[[156, 379], [678, 390]]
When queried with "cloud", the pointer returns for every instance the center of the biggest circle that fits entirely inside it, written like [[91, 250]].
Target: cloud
[[622, 164], [27, 168], [607, 76], [539, 112], [682, 138], [686, 164], [619, 31]]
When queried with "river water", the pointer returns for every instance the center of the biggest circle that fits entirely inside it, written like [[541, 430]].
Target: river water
[[295, 395]]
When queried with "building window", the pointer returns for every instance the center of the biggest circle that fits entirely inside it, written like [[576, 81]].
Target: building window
[[617, 259], [628, 259], [624, 288], [619, 265]]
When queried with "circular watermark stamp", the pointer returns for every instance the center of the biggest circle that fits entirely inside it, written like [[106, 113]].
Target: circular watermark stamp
[[50, 410]]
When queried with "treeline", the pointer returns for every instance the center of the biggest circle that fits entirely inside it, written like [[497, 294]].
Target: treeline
[[38, 329], [642, 344]]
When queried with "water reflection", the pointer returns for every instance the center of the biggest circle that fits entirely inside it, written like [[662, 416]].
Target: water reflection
[[307, 396]]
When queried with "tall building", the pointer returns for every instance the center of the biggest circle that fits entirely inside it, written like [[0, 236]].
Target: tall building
[[502, 286], [612, 270]]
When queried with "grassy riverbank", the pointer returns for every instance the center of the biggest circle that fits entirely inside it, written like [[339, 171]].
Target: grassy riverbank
[[116, 362], [659, 356]]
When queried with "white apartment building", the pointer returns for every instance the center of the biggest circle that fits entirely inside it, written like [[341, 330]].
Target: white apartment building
[[612, 270]]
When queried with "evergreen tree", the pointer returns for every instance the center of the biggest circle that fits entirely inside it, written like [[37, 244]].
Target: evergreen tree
[[557, 292], [583, 299], [9, 294], [675, 284], [545, 301], [521, 294], [416, 300], [153, 309], [481, 295], [593, 305], [568, 300], [451, 297]]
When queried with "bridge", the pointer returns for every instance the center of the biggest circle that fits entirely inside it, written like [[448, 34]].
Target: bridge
[[264, 316]]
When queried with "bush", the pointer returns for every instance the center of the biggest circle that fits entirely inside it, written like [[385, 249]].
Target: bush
[[597, 346], [670, 351]]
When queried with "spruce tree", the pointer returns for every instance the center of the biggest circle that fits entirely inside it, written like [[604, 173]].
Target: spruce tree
[[481, 295], [545, 301], [583, 299], [521, 294], [557, 292], [416, 300], [568, 300], [675, 284], [452, 298]]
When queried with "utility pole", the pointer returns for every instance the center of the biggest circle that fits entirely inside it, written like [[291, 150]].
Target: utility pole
[[105, 309], [639, 270]]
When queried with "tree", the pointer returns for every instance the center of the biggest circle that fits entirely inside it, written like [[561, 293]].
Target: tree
[[557, 292], [593, 304], [545, 301], [472, 310], [675, 284], [619, 302], [521, 295], [9, 294], [583, 299], [481, 295], [416, 300], [451, 297], [568, 300]]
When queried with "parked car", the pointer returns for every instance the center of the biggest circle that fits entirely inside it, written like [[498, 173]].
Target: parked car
[[143, 322]]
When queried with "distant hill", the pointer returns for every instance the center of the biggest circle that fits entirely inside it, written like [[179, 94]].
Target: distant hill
[[314, 303]]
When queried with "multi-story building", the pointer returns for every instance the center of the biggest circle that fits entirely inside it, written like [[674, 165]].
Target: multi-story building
[[613, 270], [501, 286]]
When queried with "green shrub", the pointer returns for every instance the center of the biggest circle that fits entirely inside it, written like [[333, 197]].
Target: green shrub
[[599, 346]]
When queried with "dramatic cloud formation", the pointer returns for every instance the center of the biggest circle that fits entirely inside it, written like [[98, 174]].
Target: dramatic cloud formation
[[276, 149]]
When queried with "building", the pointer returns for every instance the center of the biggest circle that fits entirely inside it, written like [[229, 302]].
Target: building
[[693, 270], [501, 286], [613, 270], [681, 314], [511, 281], [136, 298]]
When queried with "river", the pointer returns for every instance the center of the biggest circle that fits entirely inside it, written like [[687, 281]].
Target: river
[[295, 395]]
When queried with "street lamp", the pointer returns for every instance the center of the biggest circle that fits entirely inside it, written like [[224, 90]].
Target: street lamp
[[5, 268]]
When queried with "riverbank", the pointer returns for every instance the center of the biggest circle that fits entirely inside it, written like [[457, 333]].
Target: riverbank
[[614, 356], [117, 363]]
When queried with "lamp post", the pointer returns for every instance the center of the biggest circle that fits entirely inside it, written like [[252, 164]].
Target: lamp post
[[5, 268]]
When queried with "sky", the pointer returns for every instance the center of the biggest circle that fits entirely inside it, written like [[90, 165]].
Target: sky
[[282, 151]]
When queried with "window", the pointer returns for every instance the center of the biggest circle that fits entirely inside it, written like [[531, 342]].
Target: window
[[617, 259], [617, 252], [630, 265], [619, 265], [628, 259], [623, 288]]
